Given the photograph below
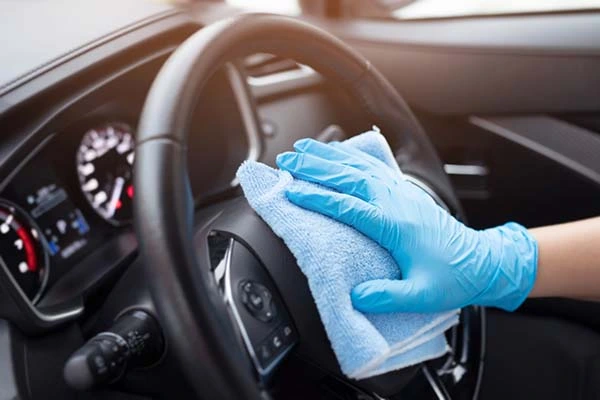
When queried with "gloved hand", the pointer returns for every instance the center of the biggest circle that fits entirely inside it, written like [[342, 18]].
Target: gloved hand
[[444, 264]]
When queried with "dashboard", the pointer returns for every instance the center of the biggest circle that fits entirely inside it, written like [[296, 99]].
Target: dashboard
[[67, 145], [69, 264], [69, 261], [72, 195]]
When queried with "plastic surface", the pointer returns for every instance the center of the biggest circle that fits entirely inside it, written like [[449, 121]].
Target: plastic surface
[[134, 341], [550, 57], [256, 305], [191, 313], [444, 264]]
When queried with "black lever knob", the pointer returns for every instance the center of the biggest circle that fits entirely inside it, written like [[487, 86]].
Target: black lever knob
[[135, 340]]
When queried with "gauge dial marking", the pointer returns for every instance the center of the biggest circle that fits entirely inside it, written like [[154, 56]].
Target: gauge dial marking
[[86, 169], [90, 185], [22, 250], [23, 267], [104, 167]]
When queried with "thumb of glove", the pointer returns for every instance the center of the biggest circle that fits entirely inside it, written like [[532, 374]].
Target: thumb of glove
[[386, 295]]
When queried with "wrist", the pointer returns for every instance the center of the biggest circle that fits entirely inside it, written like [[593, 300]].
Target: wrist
[[510, 252]]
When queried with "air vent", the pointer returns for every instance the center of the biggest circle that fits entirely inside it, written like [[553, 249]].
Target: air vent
[[269, 75], [262, 64]]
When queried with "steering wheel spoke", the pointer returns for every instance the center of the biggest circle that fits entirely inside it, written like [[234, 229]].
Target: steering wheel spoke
[[253, 300], [250, 262]]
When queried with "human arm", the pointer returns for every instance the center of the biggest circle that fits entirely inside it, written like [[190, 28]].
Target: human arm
[[569, 260], [444, 263]]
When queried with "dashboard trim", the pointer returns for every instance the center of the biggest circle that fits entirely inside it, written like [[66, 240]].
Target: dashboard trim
[[247, 113], [14, 305], [25, 314], [40, 127], [4, 181], [46, 258]]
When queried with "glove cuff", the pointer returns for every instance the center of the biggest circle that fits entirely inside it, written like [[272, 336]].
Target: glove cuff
[[514, 252]]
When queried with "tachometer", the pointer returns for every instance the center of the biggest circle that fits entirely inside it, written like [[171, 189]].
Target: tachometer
[[104, 166], [22, 251]]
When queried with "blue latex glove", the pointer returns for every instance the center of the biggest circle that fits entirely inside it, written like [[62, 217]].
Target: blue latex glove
[[445, 264]]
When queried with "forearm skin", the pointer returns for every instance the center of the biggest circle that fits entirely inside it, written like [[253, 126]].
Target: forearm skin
[[568, 260]]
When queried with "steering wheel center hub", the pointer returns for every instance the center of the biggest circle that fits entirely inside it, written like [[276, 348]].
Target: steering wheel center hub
[[188, 299]]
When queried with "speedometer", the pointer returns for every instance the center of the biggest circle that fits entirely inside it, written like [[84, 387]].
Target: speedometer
[[104, 166], [22, 251]]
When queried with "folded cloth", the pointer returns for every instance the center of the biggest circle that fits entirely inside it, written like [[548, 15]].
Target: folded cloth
[[335, 258]]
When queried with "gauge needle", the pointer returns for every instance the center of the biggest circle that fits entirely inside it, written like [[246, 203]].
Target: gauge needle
[[114, 197]]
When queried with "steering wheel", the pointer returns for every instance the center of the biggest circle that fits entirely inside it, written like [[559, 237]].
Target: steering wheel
[[204, 326]]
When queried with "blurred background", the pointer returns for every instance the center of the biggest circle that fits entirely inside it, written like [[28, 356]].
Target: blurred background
[[412, 9]]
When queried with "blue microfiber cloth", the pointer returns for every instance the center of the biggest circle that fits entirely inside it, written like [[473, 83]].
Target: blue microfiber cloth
[[335, 258]]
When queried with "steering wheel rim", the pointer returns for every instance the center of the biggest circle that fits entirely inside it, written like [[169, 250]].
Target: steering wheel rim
[[187, 298]]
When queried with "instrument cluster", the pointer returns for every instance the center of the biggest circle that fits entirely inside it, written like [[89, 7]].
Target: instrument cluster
[[104, 168], [68, 203], [47, 220]]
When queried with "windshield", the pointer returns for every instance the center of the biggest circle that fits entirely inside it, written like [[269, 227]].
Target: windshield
[[290, 7], [456, 8], [413, 9]]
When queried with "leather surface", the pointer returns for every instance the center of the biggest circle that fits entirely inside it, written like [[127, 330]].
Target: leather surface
[[171, 100], [187, 300]]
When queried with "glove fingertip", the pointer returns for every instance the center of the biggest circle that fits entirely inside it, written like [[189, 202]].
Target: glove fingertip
[[366, 296], [307, 200], [384, 296], [294, 195], [287, 160], [302, 144]]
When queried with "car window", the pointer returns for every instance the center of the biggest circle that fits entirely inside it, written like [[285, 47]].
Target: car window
[[414, 9], [289, 7], [458, 8]]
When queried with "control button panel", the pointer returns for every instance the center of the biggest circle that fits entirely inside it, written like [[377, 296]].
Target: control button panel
[[258, 309], [276, 344], [258, 301]]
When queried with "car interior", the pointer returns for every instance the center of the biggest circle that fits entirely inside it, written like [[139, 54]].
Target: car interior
[[129, 256]]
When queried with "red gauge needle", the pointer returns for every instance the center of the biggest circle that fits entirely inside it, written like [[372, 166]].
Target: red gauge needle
[[115, 196]]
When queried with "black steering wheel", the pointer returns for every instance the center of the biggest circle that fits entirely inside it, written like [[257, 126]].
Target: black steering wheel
[[217, 341]]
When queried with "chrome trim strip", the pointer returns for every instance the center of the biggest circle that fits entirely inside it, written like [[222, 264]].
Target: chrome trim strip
[[228, 297], [440, 392], [246, 108], [466, 169]]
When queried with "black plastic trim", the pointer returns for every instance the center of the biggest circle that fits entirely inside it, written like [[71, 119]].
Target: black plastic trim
[[525, 64], [569, 145], [547, 34]]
